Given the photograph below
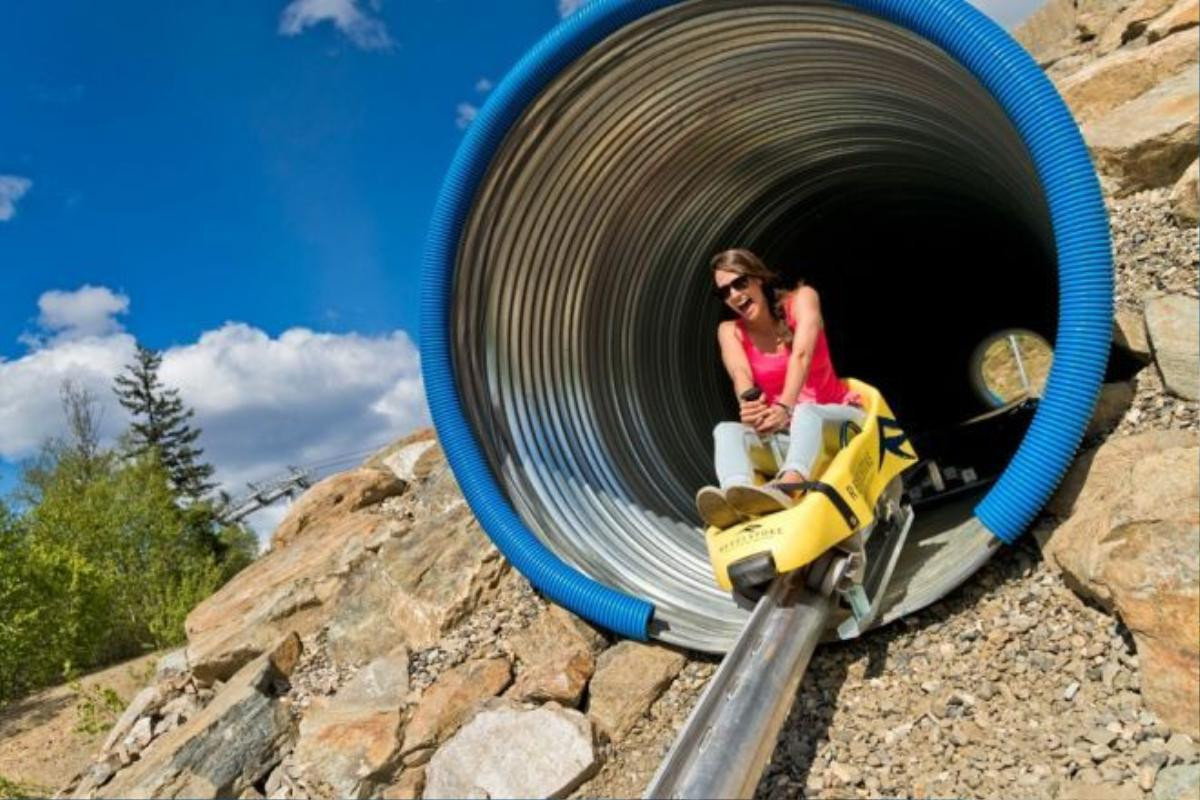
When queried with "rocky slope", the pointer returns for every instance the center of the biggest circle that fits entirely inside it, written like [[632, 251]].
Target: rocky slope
[[383, 648]]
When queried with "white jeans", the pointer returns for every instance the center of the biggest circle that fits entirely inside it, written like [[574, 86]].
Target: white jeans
[[738, 450]]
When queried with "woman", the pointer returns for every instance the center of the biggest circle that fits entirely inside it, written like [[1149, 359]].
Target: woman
[[776, 344]]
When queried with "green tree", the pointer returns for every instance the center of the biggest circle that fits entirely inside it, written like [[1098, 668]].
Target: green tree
[[237, 546], [98, 559], [99, 570], [161, 422], [81, 444]]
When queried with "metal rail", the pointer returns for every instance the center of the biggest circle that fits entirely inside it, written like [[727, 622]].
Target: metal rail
[[730, 734]]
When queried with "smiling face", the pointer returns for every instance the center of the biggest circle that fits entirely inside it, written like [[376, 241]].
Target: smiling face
[[743, 293]]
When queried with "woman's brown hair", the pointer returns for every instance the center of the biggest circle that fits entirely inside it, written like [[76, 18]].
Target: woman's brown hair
[[743, 262]]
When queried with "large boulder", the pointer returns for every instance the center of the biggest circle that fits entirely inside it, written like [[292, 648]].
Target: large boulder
[[1185, 14], [228, 746], [448, 702], [1173, 323], [373, 580], [1149, 141], [1185, 197], [556, 656], [1132, 544], [417, 586], [335, 498], [544, 752], [1131, 23], [1047, 32], [289, 587], [629, 678], [349, 745], [412, 458], [1122, 76]]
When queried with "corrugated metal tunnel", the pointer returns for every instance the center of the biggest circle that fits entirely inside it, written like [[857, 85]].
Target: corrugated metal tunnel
[[843, 148]]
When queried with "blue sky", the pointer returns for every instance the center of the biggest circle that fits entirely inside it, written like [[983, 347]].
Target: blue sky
[[245, 185], [190, 151]]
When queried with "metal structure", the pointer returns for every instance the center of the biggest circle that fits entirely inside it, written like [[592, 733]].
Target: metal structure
[[265, 493]]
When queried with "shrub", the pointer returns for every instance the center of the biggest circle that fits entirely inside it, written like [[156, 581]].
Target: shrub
[[102, 568]]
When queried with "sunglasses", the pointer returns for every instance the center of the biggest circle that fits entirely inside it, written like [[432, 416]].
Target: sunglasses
[[741, 283]]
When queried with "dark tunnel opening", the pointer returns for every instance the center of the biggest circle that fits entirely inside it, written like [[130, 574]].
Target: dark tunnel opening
[[912, 280]]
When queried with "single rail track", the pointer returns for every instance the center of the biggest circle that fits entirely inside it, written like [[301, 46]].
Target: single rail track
[[730, 734]]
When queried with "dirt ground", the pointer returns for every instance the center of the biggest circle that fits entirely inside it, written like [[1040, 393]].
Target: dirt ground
[[40, 746]]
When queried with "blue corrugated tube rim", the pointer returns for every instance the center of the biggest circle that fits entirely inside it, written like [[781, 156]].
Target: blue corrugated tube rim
[[1077, 213]]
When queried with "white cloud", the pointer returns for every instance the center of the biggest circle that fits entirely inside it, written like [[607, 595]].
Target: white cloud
[[347, 16], [87, 311], [466, 113], [29, 387], [12, 189], [568, 7], [264, 403]]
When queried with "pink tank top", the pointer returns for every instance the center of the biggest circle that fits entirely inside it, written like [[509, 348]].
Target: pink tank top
[[770, 370]]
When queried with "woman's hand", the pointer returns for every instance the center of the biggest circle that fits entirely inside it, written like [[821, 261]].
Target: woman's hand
[[774, 420], [752, 411]]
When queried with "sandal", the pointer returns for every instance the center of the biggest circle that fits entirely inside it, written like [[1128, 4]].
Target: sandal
[[715, 509], [757, 501]]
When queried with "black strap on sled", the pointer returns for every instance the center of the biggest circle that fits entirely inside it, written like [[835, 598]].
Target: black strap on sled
[[834, 496]]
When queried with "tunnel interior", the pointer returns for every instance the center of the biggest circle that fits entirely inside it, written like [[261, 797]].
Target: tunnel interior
[[844, 150]]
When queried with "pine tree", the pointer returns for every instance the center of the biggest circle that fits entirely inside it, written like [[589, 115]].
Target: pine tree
[[161, 423]]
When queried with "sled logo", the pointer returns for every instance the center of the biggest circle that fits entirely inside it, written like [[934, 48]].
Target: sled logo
[[894, 443]]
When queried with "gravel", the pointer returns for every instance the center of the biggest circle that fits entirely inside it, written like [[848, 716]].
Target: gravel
[[1151, 255], [316, 674], [869, 698], [483, 634]]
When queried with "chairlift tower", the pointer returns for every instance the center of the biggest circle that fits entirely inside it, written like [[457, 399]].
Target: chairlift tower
[[265, 493]]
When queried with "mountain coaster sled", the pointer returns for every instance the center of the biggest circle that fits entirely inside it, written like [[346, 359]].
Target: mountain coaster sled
[[847, 530]]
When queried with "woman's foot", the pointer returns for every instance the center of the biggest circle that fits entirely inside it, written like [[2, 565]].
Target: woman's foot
[[715, 510], [757, 501]]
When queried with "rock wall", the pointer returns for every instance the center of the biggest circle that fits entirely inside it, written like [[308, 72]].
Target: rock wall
[[1128, 71]]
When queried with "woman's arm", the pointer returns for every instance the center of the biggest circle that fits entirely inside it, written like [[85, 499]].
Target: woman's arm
[[806, 309], [733, 356]]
